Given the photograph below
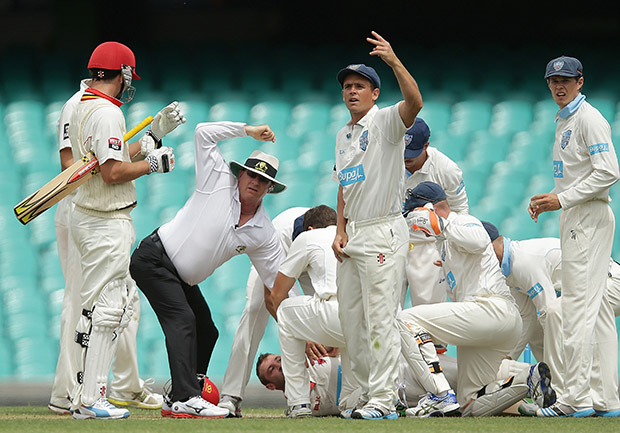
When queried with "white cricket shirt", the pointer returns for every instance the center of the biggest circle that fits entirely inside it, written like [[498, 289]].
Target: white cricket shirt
[[585, 164], [468, 260], [369, 164], [534, 267], [62, 128], [312, 252], [204, 233]]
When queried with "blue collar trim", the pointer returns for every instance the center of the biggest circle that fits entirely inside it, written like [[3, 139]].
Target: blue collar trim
[[572, 106], [506, 260]]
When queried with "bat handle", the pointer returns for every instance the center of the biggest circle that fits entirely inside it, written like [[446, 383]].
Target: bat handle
[[139, 127]]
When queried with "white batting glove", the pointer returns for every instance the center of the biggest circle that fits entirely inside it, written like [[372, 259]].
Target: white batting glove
[[161, 160], [167, 120], [425, 219], [148, 144]]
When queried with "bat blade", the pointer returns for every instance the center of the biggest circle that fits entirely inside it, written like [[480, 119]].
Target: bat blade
[[65, 182], [56, 189]]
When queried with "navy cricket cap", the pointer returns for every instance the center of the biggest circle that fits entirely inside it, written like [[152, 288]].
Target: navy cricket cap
[[491, 230], [361, 69], [424, 192], [564, 66], [416, 138], [298, 226]]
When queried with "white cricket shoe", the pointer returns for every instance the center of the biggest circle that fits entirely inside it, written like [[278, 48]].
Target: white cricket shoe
[[145, 399], [431, 405], [197, 407], [60, 408], [299, 411], [371, 411], [101, 409], [232, 404], [166, 407]]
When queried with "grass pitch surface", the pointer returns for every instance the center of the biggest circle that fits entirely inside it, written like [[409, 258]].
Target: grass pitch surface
[[23, 419]]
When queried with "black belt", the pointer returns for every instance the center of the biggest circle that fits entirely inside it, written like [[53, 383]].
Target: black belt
[[154, 237]]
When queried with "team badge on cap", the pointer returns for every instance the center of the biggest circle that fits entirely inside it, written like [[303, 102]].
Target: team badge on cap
[[558, 65]]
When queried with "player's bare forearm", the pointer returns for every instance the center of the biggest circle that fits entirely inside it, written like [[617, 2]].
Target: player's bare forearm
[[280, 291], [114, 172], [269, 303], [341, 239]]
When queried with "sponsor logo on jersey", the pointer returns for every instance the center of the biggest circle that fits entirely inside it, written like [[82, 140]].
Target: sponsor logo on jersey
[[451, 281], [565, 138], [598, 148], [381, 258], [461, 187], [534, 290], [558, 169], [115, 143], [65, 132], [364, 140], [351, 175], [240, 249]]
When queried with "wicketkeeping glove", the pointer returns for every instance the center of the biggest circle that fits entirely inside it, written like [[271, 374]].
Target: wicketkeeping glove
[[425, 219], [161, 160], [166, 121]]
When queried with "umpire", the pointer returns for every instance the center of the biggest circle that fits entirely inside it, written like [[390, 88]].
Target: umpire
[[223, 217]]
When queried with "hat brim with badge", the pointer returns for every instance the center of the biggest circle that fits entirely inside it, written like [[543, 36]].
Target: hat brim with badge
[[264, 165]]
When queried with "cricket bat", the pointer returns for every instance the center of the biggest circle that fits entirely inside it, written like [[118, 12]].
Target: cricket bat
[[65, 183]]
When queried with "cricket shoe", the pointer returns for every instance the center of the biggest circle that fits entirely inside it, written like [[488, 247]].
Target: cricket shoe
[[527, 407], [539, 384], [607, 413], [299, 411], [562, 410], [431, 405], [59, 408], [371, 411], [145, 399], [232, 404], [347, 414], [197, 407], [166, 407], [101, 409]]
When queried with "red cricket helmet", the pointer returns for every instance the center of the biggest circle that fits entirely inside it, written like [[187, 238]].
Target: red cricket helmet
[[112, 56]]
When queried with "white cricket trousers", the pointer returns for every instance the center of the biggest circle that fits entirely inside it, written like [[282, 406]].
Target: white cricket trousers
[[308, 318], [104, 247], [369, 288], [484, 331], [586, 237], [423, 275], [125, 373]]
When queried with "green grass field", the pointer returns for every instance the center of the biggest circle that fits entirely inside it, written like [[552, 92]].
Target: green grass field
[[38, 419]]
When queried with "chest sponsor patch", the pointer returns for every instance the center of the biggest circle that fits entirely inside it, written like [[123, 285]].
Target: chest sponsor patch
[[598, 148], [534, 290], [558, 169], [351, 175], [115, 143], [364, 140], [565, 138]]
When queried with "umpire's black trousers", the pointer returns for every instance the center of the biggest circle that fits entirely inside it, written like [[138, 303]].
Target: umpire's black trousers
[[182, 312]]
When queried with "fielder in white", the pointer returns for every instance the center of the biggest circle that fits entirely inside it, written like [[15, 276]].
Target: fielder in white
[[585, 166], [127, 389], [308, 318], [254, 320], [101, 224], [327, 388], [533, 270], [425, 163], [482, 320], [372, 238]]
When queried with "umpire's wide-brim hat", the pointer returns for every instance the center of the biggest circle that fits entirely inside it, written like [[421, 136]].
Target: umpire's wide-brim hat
[[262, 164]]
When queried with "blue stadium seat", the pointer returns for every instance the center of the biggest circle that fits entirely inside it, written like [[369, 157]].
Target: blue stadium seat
[[511, 116], [35, 357], [236, 111], [454, 145], [6, 354], [308, 117], [437, 114], [470, 115], [275, 113]]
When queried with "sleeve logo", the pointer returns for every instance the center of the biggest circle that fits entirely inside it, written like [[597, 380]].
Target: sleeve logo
[[115, 143], [65, 131]]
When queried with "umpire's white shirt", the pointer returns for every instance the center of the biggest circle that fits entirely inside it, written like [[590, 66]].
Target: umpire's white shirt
[[585, 164], [311, 252], [369, 164], [468, 260], [204, 233]]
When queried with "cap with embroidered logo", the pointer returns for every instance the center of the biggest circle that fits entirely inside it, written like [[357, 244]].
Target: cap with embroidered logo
[[361, 69], [564, 66], [416, 138], [422, 193]]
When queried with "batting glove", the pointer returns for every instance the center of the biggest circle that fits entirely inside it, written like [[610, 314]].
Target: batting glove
[[166, 121], [425, 219], [161, 160], [148, 144]]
